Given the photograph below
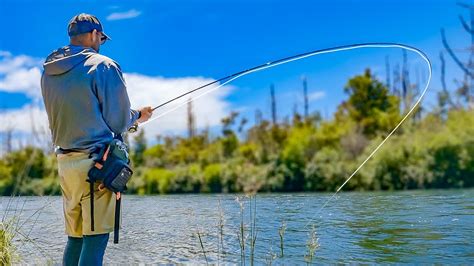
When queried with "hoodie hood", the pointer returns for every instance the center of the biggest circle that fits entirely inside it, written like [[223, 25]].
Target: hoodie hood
[[66, 58]]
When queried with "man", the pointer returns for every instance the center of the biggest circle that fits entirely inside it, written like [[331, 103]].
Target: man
[[87, 104]]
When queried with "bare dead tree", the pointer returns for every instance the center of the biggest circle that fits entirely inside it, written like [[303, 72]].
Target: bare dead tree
[[273, 101], [444, 98], [415, 91], [46, 139], [405, 80], [445, 91], [396, 81], [305, 95], [258, 117], [461, 65], [387, 71], [295, 109], [468, 88], [243, 122], [443, 72], [417, 80], [191, 120], [34, 132], [21, 143], [9, 139]]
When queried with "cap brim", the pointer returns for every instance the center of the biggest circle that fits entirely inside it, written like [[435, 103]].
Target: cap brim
[[106, 36]]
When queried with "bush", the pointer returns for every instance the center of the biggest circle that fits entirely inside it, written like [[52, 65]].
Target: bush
[[212, 178]]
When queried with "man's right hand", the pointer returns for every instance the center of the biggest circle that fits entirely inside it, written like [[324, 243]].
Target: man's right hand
[[146, 113]]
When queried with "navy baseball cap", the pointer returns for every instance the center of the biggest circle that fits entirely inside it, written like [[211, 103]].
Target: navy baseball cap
[[84, 23]]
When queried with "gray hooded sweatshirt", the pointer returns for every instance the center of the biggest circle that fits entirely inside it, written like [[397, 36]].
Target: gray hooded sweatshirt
[[85, 98]]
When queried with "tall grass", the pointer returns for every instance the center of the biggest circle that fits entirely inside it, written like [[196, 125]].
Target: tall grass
[[312, 245], [12, 229], [9, 224], [220, 228], [202, 246], [241, 233], [281, 233], [247, 236], [270, 256], [253, 226], [7, 250]]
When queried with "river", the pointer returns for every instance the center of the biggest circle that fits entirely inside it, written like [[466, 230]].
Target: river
[[433, 226]]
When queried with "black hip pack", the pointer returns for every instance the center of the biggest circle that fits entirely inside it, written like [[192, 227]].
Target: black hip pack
[[112, 169]]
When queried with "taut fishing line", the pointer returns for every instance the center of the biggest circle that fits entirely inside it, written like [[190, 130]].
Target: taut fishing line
[[228, 79]]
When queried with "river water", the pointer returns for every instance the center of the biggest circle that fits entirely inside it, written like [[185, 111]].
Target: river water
[[435, 226]]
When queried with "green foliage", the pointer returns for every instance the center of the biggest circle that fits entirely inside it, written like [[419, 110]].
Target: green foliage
[[139, 148], [158, 180], [370, 104], [29, 172], [6, 180], [229, 144], [300, 146], [249, 152], [212, 178]]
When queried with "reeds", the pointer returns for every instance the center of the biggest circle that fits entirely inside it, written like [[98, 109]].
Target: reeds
[[247, 236], [202, 247], [241, 233], [253, 226], [312, 245], [7, 250], [281, 233], [220, 232]]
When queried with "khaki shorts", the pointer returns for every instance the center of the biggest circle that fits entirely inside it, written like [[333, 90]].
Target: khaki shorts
[[72, 169]]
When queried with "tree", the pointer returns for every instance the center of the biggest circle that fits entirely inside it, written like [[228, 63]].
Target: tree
[[273, 101], [466, 90], [444, 98], [230, 140], [139, 148], [191, 119], [305, 96], [370, 104]]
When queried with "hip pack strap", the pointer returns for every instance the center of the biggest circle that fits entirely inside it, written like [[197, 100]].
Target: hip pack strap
[[118, 200], [92, 203]]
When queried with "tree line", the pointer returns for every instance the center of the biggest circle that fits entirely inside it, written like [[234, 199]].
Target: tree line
[[306, 153]]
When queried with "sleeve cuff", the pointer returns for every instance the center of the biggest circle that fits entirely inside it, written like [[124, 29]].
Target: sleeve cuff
[[135, 115]]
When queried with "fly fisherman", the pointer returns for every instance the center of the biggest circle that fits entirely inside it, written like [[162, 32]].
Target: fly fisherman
[[88, 106]]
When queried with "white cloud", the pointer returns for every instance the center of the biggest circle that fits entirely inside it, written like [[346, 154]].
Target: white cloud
[[5, 53], [24, 80], [23, 74], [9, 63], [152, 91], [317, 95], [20, 74], [132, 13], [29, 125]]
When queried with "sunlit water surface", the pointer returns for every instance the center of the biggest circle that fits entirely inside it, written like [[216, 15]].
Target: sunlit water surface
[[373, 227]]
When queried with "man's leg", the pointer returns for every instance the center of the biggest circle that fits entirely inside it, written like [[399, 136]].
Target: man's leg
[[72, 252], [93, 249], [95, 242], [71, 179]]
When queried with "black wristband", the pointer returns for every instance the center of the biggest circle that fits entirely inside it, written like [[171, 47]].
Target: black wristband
[[139, 114]]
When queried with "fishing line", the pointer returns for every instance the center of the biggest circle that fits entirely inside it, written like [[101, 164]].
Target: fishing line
[[428, 62], [234, 76]]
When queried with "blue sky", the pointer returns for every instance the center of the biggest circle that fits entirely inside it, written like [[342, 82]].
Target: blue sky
[[190, 42]]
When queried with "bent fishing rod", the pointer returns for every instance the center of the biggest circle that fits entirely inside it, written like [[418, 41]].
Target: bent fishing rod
[[229, 78], [225, 80]]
